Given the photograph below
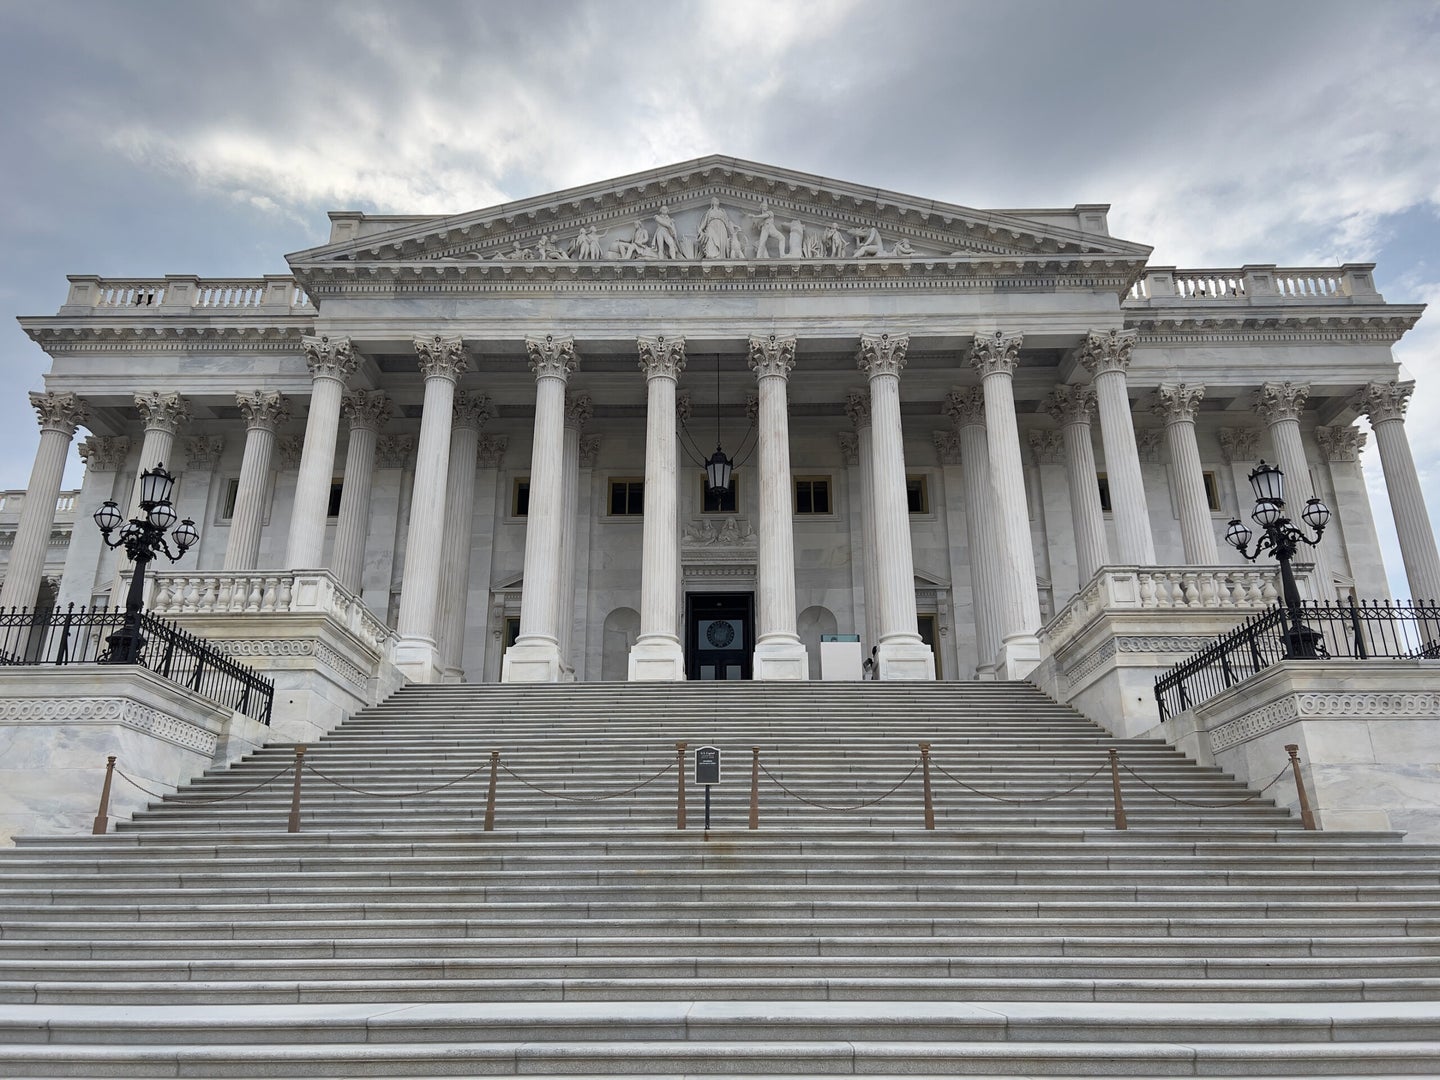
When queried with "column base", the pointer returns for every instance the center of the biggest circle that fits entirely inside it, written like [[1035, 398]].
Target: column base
[[418, 660], [657, 659], [781, 658], [905, 658], [452, 675], [1019, 655], [986, 673], [532, 660]]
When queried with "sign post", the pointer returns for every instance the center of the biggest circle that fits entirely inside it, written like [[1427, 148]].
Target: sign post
[[707, 773]]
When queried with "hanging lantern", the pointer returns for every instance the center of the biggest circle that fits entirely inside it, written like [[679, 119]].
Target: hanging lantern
[[718, 471]]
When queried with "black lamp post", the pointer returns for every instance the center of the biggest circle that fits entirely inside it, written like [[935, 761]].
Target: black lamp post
[[1282, 536], [143, 538]]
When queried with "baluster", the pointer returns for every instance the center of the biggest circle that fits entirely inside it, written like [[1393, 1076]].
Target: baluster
[[226, 587], [253, 597], [1147, 590], [268, 603], [285, 594], [1187, 586], [207, 593]]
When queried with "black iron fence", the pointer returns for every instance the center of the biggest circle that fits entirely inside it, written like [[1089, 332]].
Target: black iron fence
[[74, 635], [1315, 631]]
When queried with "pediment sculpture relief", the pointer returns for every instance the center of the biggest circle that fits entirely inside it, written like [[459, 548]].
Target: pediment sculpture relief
[[731, 533], [715, 232]]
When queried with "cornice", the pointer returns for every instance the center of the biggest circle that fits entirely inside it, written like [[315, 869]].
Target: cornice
[[1385, 323], [69, 335]]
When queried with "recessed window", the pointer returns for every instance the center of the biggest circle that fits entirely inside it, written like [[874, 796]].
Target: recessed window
[[1104, 482], [1212, 492], [627, 498], [725, 502], [227, 504], [333, 510], [917, 494], [520, 498], [812, 495]]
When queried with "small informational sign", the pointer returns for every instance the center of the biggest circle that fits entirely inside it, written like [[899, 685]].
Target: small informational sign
[[707, 765]]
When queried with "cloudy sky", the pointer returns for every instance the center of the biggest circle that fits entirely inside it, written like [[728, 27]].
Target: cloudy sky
[[149, 137]]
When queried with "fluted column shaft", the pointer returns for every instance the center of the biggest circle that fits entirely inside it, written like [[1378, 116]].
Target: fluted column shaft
[[858, 409], [656, 654], [578, 410], [1280, 405], [60, 414], [367, 411], [163, 415], [1106, 355], [470, 414], [262, 412], [1384, 404], [966, 409], [442, 361], [331, 362], [1176, 403], [1072, 407]]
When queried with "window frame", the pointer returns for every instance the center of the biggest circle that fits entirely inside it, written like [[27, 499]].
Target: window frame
[[515, 513], [630, 482], [734, 494], [812, 478]]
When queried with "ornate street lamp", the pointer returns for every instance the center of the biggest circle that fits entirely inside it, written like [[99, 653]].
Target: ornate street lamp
[[1282, 536], [143, 538]]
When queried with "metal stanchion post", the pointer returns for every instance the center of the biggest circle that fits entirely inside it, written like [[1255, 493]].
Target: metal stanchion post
[[1120, 822], [102, 816], [925, 776], [1307, 817], [295, 792], [754, 787], [490, 795], [680, 785]]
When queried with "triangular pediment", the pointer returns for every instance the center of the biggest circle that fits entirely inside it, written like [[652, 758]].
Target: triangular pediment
[[720, 210]]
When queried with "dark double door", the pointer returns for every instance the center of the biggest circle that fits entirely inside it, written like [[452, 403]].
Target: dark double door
[[719, 636]]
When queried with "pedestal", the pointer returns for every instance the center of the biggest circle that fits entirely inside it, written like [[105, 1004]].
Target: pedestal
[[781, 659], [656, 659], [906, 661]]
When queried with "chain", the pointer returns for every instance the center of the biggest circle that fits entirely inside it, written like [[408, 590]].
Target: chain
[[1206, 806], [1022, 802], [396, 794], [587, 798], [203, 802], [842, 809]]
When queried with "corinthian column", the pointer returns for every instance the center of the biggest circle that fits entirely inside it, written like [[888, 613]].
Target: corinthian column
[[331, 362], [1280, 404], [1072, 408], [779, 652], [366, 411], [902, 655], [442, 361], [60, 414], [1177, 403], [656, 655], [1384, 403], [1106, 355], [857, 407], [163, 415], [535, 656], [471, 412], [966, 409], [578, 410], [263, 411], [995, 357]]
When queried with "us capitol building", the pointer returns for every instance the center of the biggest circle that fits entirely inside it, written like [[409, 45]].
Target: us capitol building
[[488, 430]]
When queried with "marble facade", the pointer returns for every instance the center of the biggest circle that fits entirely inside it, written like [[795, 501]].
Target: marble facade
[[959, 417]]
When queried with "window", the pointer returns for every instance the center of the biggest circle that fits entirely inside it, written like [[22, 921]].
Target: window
[[812, 495], [1212, 492], [333, 510], [1104, 482], [727, 502], [227, 504], [520, 498], [627, 498], [917, 494]]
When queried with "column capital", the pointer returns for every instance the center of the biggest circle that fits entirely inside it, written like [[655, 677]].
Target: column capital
[[882, 354], [661, 357], [1239, 444], [162, 412], [1070, 404], [263, 409], [471, 410], [329, 358], [1382, 401], [1276, 401], [104, 453], [552, 357], [849, 447], [1107, 350], [857, 408], [1048, 445], [394, 451], [203, 452], [491, 450], [965, 405], [1177, 402], [59, 410], [578, 410], [589, 451], [772, 355], [442, 357], [366, 410], [947, 447], [1341, 443], [996, 353]]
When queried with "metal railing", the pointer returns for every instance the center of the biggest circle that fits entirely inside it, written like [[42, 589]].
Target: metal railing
[[1354, 631], [74, 635]]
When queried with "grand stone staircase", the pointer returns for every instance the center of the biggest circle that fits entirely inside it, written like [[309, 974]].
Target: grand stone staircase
[[392, 936]]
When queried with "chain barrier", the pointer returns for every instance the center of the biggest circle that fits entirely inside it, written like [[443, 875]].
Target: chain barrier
[[1020, 802], [587, 798], [840, 809], [393, 794], [1207, 806], [204, 802]]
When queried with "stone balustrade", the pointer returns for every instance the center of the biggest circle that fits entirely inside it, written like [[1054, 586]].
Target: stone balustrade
[[178, 293], [1257, 284]]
